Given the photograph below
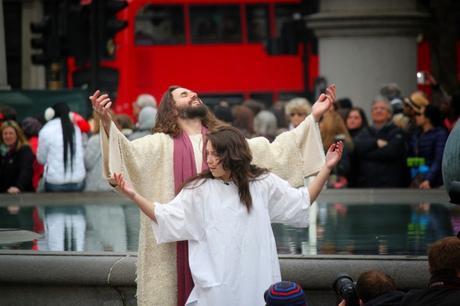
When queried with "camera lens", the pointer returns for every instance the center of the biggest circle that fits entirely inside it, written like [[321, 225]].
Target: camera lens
[[345, 288]]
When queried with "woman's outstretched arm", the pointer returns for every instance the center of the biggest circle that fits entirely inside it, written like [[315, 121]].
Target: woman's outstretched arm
[[333, 155], [125, 188]]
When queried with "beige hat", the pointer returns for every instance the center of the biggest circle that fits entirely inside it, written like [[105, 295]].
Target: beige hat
[[417, 101]]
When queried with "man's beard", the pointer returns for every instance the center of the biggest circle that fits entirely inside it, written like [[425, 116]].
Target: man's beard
[[192, 112]]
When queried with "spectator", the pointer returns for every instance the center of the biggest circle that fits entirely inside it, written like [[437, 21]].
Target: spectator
[[343, 106], [444, 285], [376, 288], [101, 217], [440, 98], [285, 293], [145, 123], [279, 110], [93, 161], [31, 127], [297, 110], [223, 112], [428, 142], [243, 119], [381, 150], [16, 159], [142, 101], [453, 114], [413, 105], [60, 150], [333, 129], [356, 120], [125, 124], [266, 125], [7, 113], [391, 91]]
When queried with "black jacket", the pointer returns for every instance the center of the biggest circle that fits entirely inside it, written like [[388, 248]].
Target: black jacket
[[392, 298], [16, 169], [444, 290], [381, 167]]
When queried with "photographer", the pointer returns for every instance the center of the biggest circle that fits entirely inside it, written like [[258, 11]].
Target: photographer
[[373, 288], [444, 286]]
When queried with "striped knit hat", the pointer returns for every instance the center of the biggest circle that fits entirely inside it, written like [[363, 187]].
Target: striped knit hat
[[285, 294]]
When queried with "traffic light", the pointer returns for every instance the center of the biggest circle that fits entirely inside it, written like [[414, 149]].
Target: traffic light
[[46, 40], [109, 24], [78, 31]]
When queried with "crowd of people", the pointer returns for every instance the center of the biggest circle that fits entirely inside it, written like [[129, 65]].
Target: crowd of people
[[401, 146]]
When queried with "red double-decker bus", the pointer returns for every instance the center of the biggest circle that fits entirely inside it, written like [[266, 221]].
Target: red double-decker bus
[[229, 49]]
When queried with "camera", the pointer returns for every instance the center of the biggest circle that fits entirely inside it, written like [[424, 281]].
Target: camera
[[421, 78], [345, 288]]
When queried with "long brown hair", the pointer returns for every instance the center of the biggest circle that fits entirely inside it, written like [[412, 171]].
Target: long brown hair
[[21, 141], [167, 116], [233, 150], [332, 126]]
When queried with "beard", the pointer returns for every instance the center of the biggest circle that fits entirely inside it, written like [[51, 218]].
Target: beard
[[192, 112]]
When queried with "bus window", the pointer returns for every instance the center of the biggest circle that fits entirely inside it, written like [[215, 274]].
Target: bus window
[[257, 20], [283, 15], [160, 24], [212, 100], [215, 24]]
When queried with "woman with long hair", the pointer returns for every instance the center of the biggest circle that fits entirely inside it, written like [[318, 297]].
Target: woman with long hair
[[60, 150], [16, 159], [356, 120], [225, 213], [333, 129]]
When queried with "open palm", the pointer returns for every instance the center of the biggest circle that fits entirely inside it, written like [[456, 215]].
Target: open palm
[[123, 186], [334, 154]]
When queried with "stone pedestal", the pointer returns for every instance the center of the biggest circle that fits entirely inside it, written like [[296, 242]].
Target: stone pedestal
[[365, 44]]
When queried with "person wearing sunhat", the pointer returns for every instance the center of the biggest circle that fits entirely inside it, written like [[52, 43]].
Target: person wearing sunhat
[[415, 103]]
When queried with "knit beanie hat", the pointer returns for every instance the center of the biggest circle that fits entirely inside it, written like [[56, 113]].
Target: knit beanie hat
[[285, 294]]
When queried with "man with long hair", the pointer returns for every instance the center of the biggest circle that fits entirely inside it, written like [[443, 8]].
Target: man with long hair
[[225, 214], [157, 165]]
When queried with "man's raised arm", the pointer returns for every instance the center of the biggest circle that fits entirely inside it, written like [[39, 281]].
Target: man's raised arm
[[324, 102], [101, 105]]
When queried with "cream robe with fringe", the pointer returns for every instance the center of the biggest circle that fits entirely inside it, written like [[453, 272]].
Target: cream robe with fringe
[[148, 164]]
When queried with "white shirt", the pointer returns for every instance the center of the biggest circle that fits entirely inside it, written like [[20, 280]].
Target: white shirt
[[232, 253], [50, 154], [197, 144]]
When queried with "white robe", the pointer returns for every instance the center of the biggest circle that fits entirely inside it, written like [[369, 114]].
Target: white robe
[[148, 164], [232, 253]]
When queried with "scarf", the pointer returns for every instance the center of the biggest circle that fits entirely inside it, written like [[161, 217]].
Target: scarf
[[184, 168]]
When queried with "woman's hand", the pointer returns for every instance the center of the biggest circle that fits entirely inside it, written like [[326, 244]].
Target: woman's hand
[[123, 186], [334, 154]]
